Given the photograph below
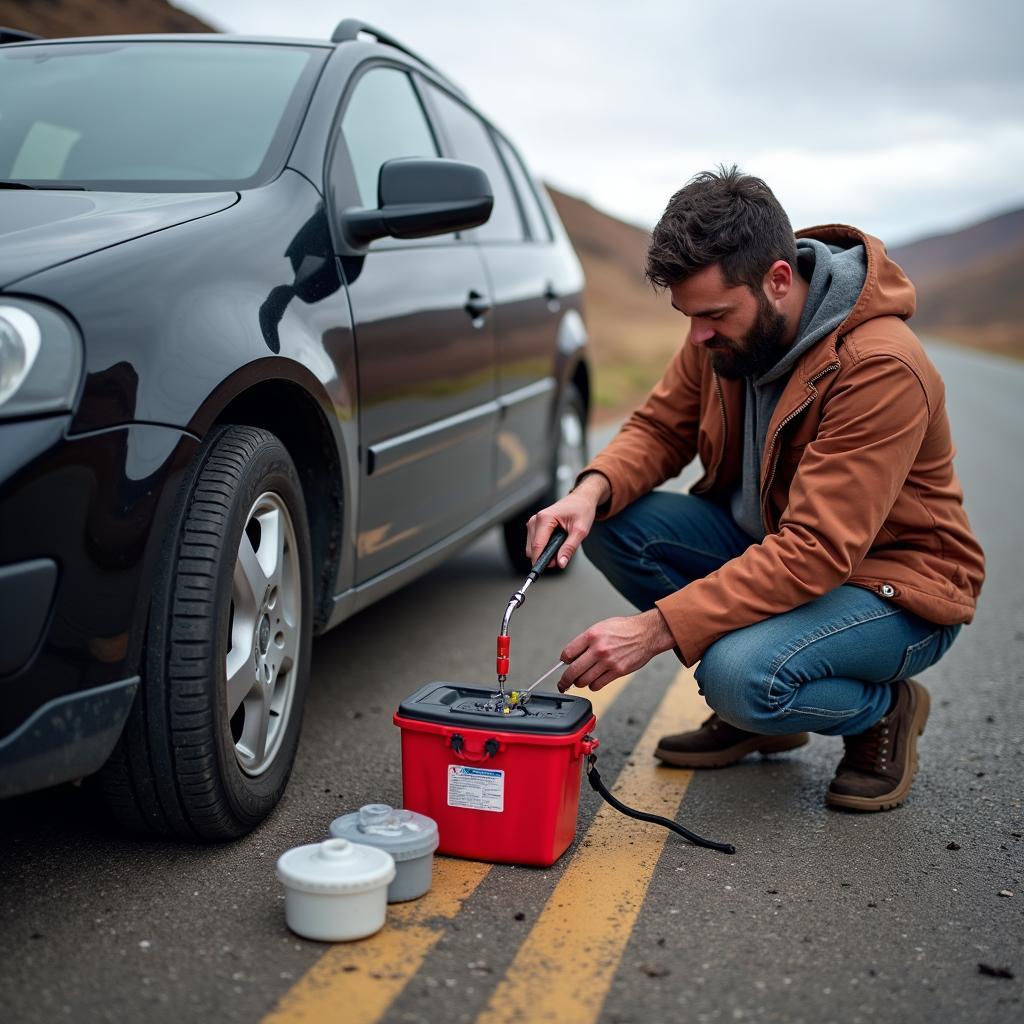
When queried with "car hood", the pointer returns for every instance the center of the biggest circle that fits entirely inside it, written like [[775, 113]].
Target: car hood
[[39, 229]]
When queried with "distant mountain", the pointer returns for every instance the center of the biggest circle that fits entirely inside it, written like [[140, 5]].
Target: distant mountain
[[942, 254], [970, 283], [54, 19]]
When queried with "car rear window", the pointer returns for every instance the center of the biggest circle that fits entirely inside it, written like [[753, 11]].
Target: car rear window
[[538, 225], [156, 114]]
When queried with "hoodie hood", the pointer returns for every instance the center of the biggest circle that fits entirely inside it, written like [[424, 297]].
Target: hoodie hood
[[887, 290], [850, 279], [835, 278]]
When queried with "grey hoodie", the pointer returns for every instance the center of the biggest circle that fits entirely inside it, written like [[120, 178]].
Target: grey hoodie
[[835, 277]]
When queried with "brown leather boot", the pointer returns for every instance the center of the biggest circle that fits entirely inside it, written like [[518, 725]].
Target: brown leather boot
[[717, 744], [879, 764]]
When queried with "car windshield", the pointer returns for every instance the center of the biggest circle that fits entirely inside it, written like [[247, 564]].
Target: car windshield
[[175, 116]]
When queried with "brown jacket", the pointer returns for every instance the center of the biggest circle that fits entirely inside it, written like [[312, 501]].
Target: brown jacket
[[857, 483]]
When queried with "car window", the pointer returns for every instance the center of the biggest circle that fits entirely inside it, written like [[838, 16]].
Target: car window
[[383, 120], [535, 220], [471, 141], [174, 116]]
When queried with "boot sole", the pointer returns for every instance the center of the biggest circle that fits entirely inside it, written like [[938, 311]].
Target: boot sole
[[730, 755], [895, 797]]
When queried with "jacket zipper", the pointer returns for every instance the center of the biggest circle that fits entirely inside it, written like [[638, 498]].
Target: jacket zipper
[[772, 456], [710, 476]]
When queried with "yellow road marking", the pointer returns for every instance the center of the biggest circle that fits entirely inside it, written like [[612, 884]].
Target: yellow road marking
[[565, 966], [358, 981]]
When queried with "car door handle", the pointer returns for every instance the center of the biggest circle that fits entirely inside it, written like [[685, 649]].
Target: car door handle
[[552, 298], [477, 305]]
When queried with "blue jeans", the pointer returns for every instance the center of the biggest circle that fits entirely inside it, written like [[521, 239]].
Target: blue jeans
[[824, 667]]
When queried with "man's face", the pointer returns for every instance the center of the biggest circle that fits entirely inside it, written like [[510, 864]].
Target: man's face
[[740, 328]]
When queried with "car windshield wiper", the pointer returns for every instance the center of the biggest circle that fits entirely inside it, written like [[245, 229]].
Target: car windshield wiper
[[25, 184]]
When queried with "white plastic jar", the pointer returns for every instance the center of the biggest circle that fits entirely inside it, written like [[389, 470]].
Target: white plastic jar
[[335, 891]]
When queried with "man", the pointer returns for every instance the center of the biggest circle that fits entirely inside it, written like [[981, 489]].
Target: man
[[824, 557]]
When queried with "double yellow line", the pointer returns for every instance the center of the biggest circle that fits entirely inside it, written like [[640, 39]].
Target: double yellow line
[[589, 915]]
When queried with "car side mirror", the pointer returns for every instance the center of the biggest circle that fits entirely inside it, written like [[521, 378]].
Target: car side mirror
[[418, 197]]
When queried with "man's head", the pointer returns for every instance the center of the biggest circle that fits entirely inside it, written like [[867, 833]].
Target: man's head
[[725, 249]]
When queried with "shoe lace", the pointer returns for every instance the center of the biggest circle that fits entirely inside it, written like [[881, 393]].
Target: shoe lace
[[868, 751]]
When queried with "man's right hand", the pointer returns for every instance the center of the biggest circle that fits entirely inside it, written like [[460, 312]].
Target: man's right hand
[[575, 513]]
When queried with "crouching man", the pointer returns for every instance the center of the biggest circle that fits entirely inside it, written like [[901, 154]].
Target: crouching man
[[824, 558]]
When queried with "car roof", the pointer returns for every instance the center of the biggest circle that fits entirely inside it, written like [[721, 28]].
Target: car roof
[[348, 31], [178, 37]]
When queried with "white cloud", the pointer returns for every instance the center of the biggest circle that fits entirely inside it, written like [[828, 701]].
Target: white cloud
[[902, 117]]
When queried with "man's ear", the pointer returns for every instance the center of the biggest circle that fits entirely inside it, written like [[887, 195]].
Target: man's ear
[[778, 281]]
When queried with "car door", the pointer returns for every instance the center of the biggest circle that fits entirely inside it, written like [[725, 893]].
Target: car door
[[424, 342], [515, 244]]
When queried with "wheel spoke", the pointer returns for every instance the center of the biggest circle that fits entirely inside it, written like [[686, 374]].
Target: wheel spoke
[[250, 581], [271, 549], [288, 648], [240, 677], [262, 726], [253, 742]]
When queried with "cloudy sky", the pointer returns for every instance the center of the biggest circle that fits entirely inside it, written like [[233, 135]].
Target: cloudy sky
[[905, 117]]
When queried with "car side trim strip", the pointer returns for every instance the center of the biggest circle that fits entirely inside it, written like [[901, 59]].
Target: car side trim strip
[[385, 456], [366, 593], [538, 389]]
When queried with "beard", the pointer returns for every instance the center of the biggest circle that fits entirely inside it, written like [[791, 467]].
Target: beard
[[759, 350]]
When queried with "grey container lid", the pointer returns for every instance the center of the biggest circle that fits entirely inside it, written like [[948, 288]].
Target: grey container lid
[[404, 834]]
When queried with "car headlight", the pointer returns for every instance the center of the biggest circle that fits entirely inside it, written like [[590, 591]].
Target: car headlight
[[40, 359]]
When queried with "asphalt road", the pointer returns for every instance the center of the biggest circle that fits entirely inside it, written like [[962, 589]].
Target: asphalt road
[[820, 915]]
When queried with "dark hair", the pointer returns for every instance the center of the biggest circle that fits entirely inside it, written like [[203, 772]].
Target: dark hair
[[723, 217]]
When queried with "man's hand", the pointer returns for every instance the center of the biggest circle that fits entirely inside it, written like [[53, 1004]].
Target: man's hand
[[575, 513], [613, 648]]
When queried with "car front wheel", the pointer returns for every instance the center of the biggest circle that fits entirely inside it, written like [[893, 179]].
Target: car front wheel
[[212, 736]]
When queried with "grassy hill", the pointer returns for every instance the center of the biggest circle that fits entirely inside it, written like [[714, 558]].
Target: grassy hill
[[633, 331], [60, 18]]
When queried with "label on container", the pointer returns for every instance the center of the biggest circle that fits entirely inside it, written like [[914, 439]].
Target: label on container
[[480, 789]]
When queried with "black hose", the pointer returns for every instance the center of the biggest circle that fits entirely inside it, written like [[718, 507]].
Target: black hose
[[595, 781]]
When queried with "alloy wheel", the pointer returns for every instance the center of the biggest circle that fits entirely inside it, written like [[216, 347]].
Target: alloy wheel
[[572, 451], [264, 631]]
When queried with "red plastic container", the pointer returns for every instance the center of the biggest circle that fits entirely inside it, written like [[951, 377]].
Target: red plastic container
[[502, 788]]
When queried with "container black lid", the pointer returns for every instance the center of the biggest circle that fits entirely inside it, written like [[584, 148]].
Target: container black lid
[[454, 704]]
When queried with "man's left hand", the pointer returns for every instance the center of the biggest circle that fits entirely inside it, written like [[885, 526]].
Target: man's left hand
[[613, 648]]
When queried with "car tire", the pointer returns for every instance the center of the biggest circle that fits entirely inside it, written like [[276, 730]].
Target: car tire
[[570, 457], [212, 735]]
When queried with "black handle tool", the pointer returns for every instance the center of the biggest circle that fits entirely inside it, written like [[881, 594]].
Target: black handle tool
[[558, 538]]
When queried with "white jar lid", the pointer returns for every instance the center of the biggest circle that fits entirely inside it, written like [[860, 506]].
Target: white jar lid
[[335, 866]]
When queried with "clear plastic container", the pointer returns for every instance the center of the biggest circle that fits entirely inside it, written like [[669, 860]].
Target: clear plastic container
[[409, 837]]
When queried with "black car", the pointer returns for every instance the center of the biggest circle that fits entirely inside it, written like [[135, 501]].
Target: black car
[[282, 324]]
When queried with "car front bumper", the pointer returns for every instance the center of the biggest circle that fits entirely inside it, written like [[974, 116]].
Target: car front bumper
[[82, 520]]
